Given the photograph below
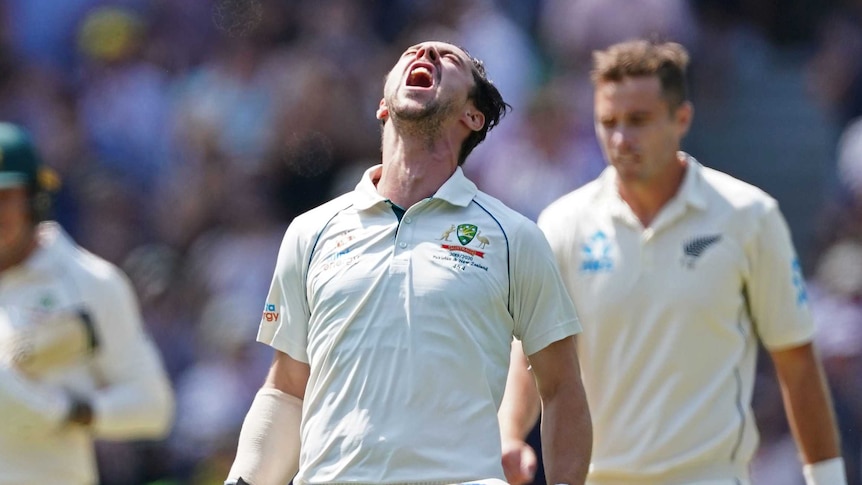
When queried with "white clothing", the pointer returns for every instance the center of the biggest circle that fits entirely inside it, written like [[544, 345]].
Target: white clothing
[[123, 380], [672, 314], [407, 328]]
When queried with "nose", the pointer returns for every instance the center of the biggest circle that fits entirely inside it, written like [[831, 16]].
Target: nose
[[429, 52], [620, 138]]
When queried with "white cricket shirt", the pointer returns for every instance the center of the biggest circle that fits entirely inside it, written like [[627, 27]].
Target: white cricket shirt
[[123, 380], [407, 328], [671, 317]]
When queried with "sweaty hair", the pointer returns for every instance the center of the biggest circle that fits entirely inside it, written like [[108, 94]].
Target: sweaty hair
[[488, 100], [642, 58]]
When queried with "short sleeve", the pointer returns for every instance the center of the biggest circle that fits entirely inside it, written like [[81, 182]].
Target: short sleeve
[[542, 308], [777, 297], [284, 322]]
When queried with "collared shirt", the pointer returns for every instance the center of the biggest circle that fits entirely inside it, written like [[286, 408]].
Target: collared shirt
[[672, 314], [407, 329]]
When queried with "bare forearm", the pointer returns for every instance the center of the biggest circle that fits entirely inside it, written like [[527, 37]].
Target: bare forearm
[[808, 403], [520, 408], [567, 436]]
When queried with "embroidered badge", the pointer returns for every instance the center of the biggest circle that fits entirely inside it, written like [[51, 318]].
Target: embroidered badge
[[447, 233], [466, 233], [694, 248]]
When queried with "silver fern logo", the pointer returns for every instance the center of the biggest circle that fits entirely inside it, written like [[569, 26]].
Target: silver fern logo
[[695, 247]]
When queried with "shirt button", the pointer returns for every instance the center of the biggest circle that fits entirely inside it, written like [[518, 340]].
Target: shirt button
[[407, 220], [402, 245]]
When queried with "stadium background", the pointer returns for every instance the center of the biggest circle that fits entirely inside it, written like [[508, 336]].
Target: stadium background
[[188, 133]]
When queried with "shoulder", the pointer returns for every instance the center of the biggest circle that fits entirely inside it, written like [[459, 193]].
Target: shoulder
[[575, 204], [510, 220], [312, 221], [736, 194], [101, 270], [97, 279], [74, 260]]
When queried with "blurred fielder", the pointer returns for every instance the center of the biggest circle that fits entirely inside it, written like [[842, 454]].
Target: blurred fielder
[[75, 363], [677, 272]]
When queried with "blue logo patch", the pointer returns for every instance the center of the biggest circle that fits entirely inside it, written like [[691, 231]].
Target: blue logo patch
[[270, 307], [799, 283], [597, 254]]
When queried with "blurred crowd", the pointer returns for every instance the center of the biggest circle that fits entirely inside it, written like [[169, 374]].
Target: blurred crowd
[[188, 133]]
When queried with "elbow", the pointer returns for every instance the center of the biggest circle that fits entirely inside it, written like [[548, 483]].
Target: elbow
[[144, 416], [162, 414]]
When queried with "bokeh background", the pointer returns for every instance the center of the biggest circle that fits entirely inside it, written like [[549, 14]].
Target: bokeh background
[[188, 133]]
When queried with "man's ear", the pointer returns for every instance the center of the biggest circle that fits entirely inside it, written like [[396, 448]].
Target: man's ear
[[684, 116], [473, 118], [382, 111]]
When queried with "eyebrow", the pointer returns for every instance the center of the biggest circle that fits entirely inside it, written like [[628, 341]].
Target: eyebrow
[[444, 48]]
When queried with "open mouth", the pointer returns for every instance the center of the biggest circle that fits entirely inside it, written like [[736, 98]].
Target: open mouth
[[420, 76]]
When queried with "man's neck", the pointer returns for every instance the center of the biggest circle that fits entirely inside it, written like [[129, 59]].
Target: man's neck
[[646, 200], [414, 169]]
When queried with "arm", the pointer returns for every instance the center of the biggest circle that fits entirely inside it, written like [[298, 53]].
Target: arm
[[136, 400], [567, 432], [517, 415], [269, 442], [30, 408], [808, 405]]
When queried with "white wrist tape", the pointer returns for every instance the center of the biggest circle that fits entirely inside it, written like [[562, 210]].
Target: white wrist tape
[[826, 472], [268, 449]]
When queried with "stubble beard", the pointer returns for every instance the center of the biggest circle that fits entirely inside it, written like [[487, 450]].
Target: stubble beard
[[424, 121]]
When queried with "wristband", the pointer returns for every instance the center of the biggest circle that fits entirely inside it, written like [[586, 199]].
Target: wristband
[[826, 472]]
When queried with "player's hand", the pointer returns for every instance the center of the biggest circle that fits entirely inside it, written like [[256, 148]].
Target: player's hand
[[519, 462], [46, 343]]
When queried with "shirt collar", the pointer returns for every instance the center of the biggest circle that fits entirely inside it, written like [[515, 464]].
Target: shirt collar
[[457, 190], [691, 191]]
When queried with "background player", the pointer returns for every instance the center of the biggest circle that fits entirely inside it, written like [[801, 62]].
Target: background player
[[678, 271], [75, 363]]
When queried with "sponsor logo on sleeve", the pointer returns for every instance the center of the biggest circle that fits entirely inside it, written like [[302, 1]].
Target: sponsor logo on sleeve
[[799, 282], [269, 313]]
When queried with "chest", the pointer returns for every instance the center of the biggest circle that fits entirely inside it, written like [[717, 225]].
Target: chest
[[28, 297], [695, 266], [459, 258]]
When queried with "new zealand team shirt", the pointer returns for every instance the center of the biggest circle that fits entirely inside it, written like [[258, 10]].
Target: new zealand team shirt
[[671, 317], [407, 329]]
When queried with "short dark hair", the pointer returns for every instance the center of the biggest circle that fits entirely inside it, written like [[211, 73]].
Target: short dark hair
[[642, 58], [488, 100]]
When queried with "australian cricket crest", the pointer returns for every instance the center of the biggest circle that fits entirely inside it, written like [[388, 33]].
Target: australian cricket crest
[[466, 233], [462, 255]]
